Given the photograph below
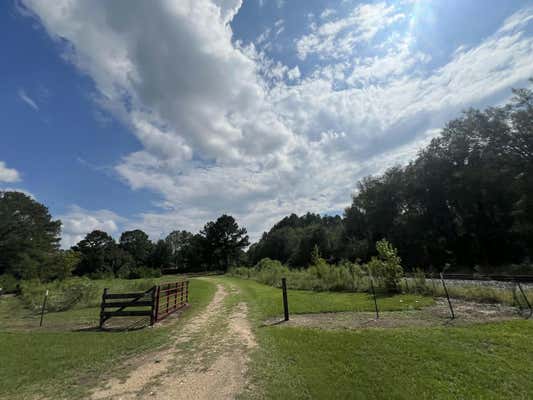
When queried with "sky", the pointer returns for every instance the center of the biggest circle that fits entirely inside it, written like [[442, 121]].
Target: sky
[[163, 115]]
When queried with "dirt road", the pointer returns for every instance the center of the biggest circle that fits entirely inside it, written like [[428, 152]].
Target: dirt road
[[207, 360]]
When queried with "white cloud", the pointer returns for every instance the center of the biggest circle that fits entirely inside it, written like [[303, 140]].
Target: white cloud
[[8, 174], [328, 12], [27, 99], [225, 129], [293, 73], [77, 222], [337, 37]]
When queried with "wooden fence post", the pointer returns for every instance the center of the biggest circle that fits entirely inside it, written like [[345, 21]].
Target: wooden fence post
[[285, 301], [447, 294], [187, 292], [374, 295], [102, 308], [157, 295], [153, 315], [176, 295]]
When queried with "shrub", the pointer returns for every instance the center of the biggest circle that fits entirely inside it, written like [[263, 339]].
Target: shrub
[[8, 283], [386, 268], [143, 272], [270, 272]]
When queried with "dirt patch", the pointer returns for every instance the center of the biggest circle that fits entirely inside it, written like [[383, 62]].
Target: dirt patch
[[207, 360], [438, 315]]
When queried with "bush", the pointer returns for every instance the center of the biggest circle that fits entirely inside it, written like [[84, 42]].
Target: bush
[[270, 272], [143, 272], [63, 295], [386, 268], [321, 276], [8, 283]]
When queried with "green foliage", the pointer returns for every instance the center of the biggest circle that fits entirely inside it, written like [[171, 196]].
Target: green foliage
[[8, 283], [386, 268], [138, 245], [292, 240], [322, 276], [144, 272], [270, 272], [223, 241], [62, 265], [29, 237]]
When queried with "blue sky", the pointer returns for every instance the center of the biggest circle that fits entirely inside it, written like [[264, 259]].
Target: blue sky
[[164, 115]]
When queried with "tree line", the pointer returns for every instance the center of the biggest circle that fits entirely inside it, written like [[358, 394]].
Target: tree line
[[29, 247], [465, 201]]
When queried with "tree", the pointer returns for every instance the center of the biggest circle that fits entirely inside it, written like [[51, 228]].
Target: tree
[[29, 237], [180, 243], [100, 256], [161, 256], [62, 264], [138, 245], [223, 242]]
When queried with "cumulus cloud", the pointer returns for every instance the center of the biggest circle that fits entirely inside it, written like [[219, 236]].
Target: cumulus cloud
[[226, 129], [8, 174], [77, 222]]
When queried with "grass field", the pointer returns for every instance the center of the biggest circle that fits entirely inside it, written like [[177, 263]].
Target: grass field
[[485, 361], [55, 361]]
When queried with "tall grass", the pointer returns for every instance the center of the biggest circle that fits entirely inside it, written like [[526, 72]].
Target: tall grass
[[320, 277], [76, 292]]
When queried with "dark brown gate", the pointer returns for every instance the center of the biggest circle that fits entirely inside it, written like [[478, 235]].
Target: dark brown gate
[[157, 303]]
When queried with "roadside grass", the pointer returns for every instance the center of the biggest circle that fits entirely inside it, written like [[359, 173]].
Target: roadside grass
[[267, 300], [64, 364], [477, 362], [484, 361]]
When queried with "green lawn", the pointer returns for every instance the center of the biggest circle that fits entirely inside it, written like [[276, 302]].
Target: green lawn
[[486, 361], [267, 300], [56, 363]]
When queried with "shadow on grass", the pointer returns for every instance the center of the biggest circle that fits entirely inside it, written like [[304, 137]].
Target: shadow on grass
[[123, 327]]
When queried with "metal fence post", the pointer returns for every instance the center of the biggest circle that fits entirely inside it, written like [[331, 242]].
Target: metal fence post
[[285, 301], [447, 295], [526, 299]]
